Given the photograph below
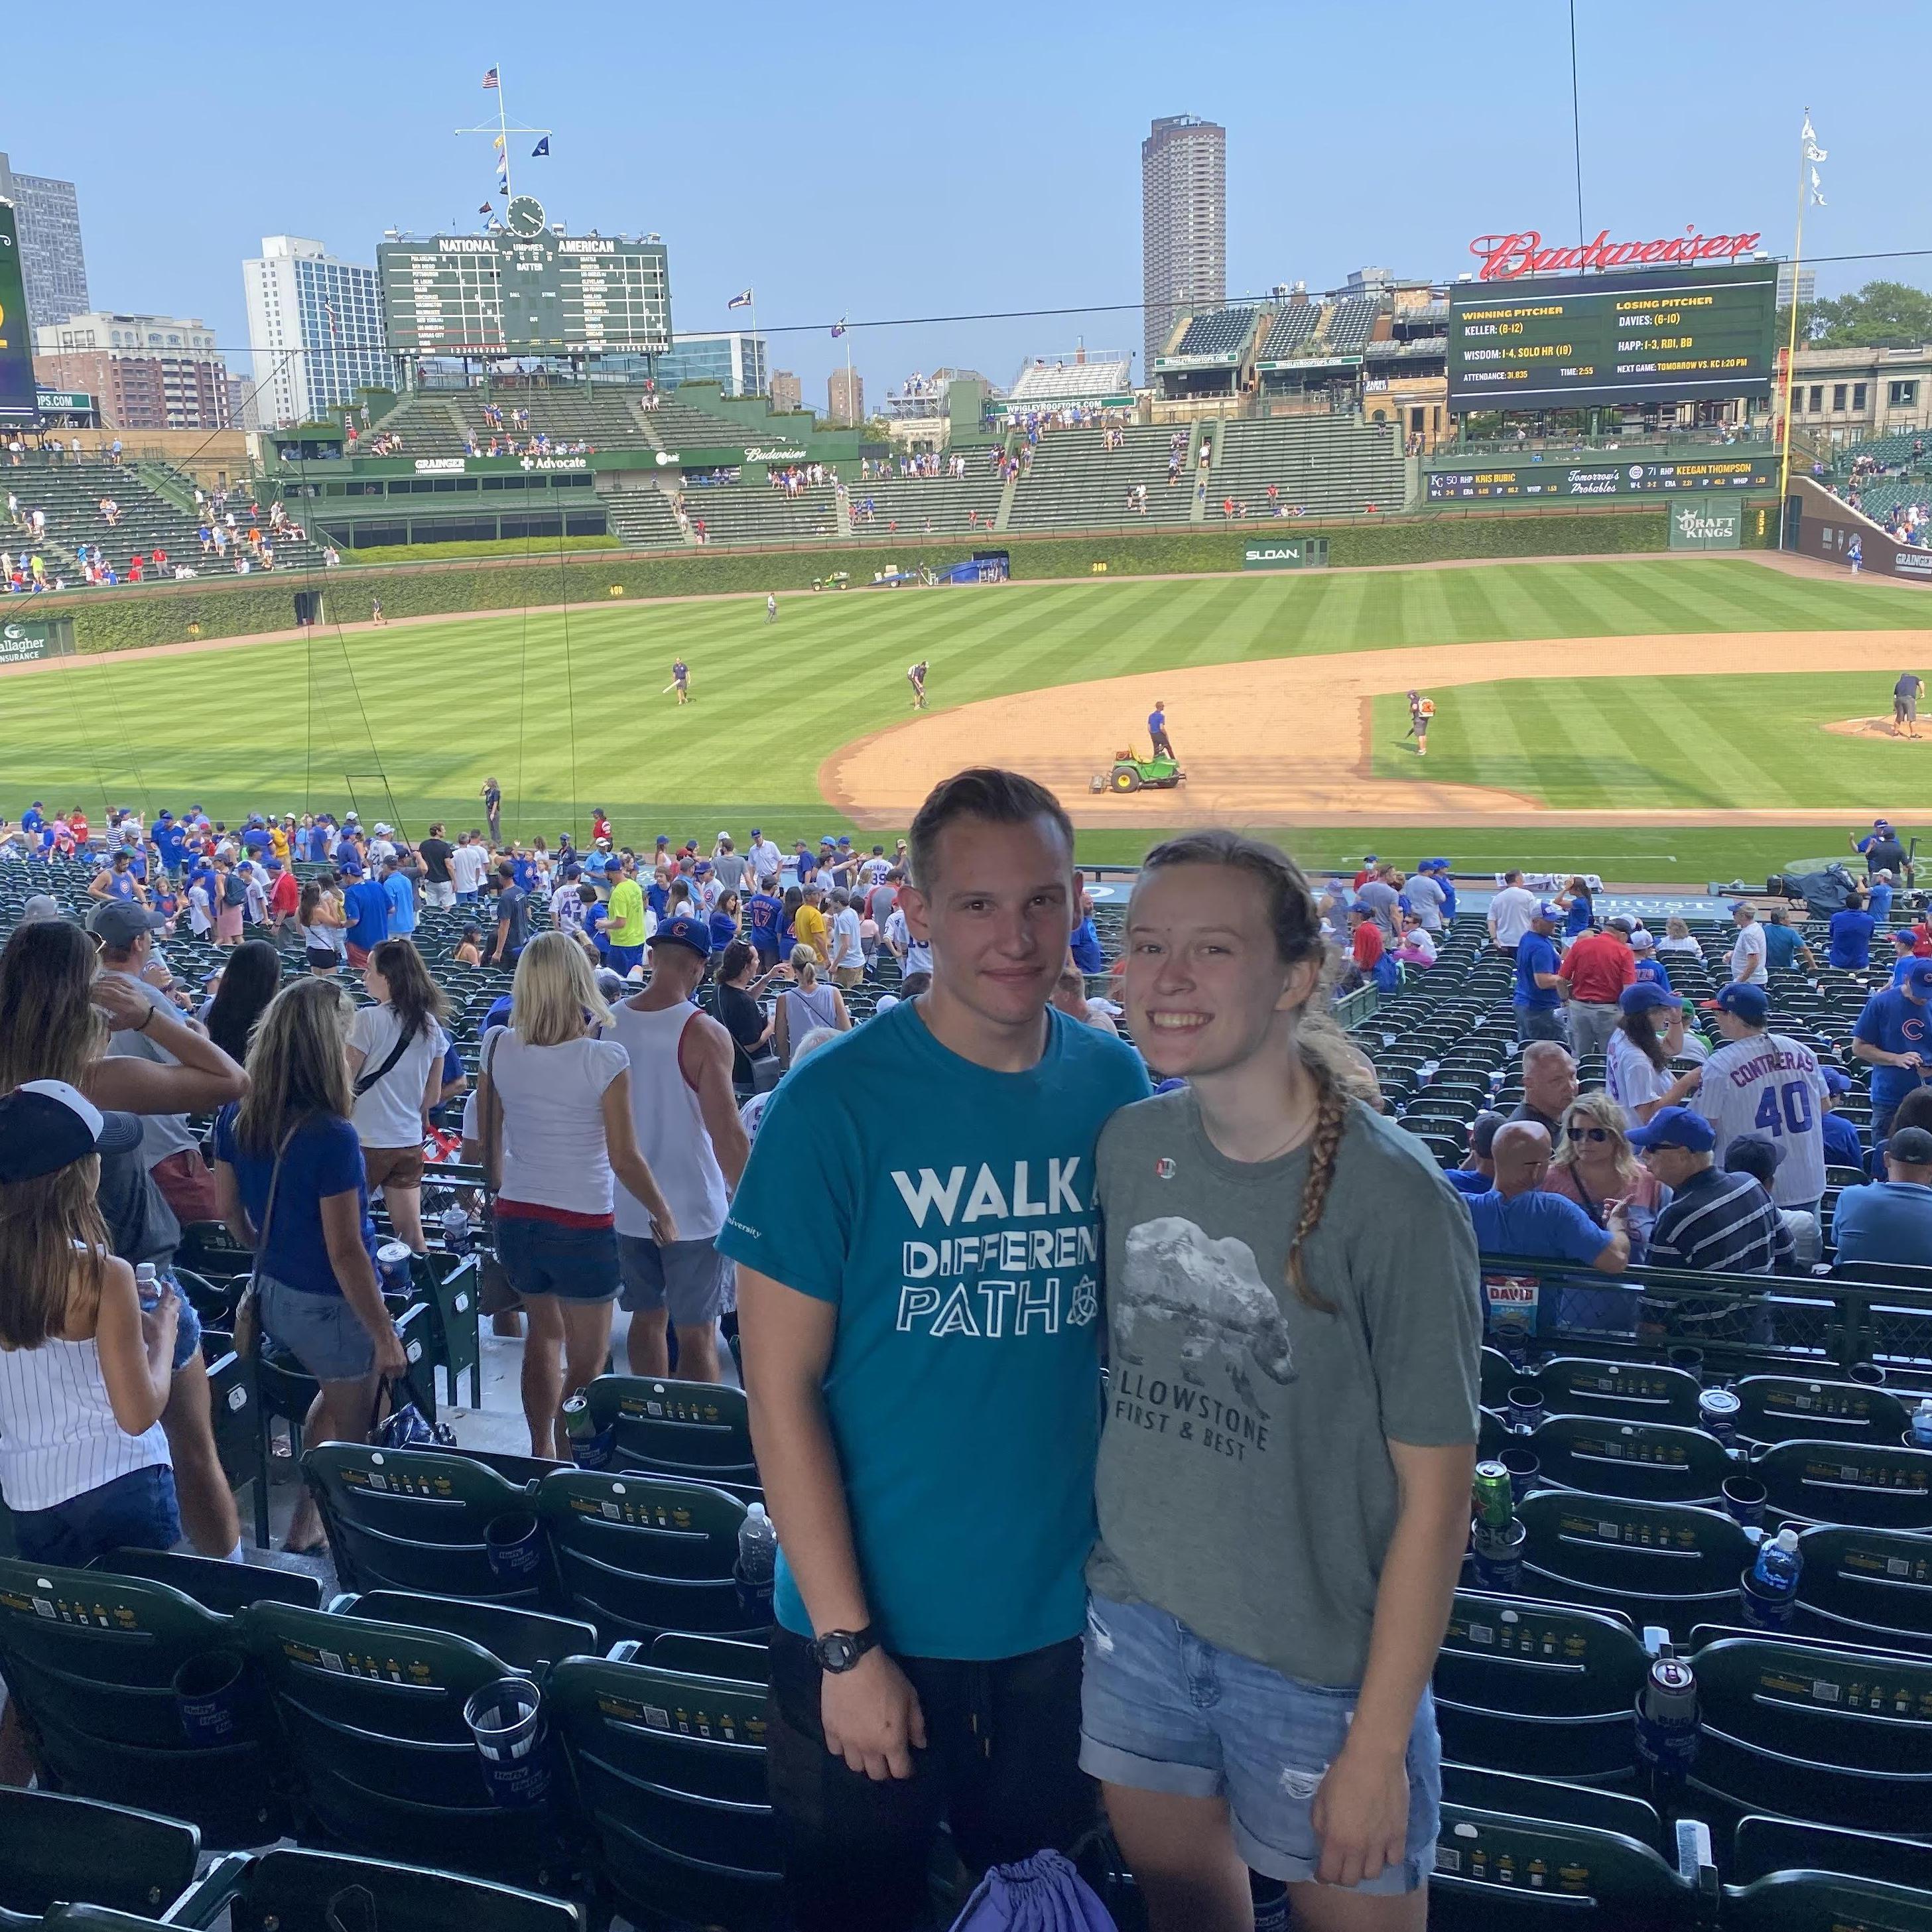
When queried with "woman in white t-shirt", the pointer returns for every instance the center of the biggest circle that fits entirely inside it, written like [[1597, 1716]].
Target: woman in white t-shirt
[[395, 1061], [553, 1117], [1649, 1036], [325, 925]]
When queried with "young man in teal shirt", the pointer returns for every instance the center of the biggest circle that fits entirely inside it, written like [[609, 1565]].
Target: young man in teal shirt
[[919, 1295]]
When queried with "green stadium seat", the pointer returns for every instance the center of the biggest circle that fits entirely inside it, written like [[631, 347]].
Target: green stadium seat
[[1633, 1391], [1669, 1563], [1500, 1375], [1792, 1409], [1649, 1462], [415, 1520], [670, 1770], [1874, 1486], [301, 1890], [1814, 1901], [699, 1431], [638, 1554], [91, 1658], [529, 1641], [1827, 1736], [54, 1849], [1762, 1846], [711, 1657], [1556, 1802], [1547, 1689], [1869, 1586], [385, 1763], [451, 1294], [213, 1583]]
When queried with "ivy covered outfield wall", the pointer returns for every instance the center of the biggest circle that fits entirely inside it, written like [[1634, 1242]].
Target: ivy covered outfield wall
[[128, 617]]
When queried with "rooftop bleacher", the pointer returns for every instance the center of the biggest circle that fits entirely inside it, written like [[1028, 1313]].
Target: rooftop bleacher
[[1045, 385], [1325, 466], [1220, 332], [1349, 323], [1292, 327]]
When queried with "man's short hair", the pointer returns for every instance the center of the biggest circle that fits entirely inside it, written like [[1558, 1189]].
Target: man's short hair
[[986, 792]]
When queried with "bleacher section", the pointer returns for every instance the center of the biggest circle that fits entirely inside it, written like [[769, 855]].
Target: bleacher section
[[428, 424], [564, 415], [642, 519], [1889, 452], [674, 423], [1292, 327], [1349, 324], [1327, 466], [755, 513], [1879, 496], [1046, 385], [1220, 332], [965, 504], [70, 493], [1076, 481]]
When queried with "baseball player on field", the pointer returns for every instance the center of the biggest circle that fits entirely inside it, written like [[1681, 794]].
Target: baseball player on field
[[1768, 1085]]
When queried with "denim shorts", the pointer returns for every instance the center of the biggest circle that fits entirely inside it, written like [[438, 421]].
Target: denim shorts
[[321, 1331], [548, 1257], [688, 1277], [136, 1511], [1164, 1710]]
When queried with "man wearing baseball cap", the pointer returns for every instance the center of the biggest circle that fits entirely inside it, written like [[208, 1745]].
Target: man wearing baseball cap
[[1766, 1083], [689, 1132], [1842, 1146], [1890, 1039], [1890, 1220], [1539, 977], [1881, 851], [1714, 1221]]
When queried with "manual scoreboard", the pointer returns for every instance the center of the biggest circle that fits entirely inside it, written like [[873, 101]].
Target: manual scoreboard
[[525, 291], [1565, 342]]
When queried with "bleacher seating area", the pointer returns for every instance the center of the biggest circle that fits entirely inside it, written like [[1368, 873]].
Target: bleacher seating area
[[642, 518], [1220, 331], [674, 423], [1292, 326], [1326, 465], [944, 505], [1046, 386], [1347, 326], [756, 513], [331, 1763], [71, 493], [1076, 481]]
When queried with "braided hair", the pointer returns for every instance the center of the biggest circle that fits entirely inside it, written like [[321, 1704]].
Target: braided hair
[[1332, 1062]]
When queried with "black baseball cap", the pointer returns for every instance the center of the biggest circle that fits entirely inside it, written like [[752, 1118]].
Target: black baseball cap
[[47, 1125], [119, 922]]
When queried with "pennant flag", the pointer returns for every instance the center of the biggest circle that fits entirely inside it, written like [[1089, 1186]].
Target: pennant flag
[[838, 327], [1817, 191], [541, 148], [498, 142], [484, 209], [740, 301], [489, 79], [335, 334]]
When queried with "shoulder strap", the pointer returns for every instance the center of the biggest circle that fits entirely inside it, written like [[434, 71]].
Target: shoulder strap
[[405, 1037]]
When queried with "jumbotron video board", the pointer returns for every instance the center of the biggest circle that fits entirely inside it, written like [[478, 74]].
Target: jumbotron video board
[[526, 290], [1668, 336]]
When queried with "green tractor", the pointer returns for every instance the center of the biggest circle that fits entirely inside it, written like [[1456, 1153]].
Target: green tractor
[[1131, 773]]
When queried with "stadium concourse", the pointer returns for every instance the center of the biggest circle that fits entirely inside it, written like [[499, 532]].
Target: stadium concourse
[[1658, 1417]]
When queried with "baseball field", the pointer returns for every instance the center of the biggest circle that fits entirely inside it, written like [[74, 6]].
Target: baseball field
[[1659, 719]]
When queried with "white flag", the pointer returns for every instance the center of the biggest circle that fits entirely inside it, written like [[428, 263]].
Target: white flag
[[1817, 191]]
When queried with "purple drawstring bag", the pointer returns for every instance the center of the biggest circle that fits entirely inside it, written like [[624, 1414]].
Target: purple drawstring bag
[[1041, 1893]]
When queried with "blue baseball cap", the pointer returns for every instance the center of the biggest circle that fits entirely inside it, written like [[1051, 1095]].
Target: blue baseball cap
[[350, 867], [499, 1014], [1748, 1003], [1918, 977], [1837, 1081], [1546, 910], [1646, 996], [693, 934], [756, 833], [1676, 1126]]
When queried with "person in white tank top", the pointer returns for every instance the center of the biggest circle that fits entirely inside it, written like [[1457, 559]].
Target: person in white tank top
[[691, 1137]]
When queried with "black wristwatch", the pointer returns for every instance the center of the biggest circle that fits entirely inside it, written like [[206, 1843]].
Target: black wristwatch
[[838, 1651]]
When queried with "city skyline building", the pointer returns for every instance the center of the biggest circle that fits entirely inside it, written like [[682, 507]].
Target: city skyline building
[[1183, 226], [315, 331], [145, 371], [53, 263]]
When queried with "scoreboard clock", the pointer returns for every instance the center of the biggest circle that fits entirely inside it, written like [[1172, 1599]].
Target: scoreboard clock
[[1564, 342]]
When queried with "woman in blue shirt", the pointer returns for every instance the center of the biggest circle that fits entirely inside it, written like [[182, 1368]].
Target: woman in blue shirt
[[1579, 909], [314, 1244]]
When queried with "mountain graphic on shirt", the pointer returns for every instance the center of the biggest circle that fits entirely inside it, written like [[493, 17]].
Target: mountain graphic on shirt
[[1213, 1291]]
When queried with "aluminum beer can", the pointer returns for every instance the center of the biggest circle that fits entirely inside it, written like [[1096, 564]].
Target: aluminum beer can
[[1495, 1505]]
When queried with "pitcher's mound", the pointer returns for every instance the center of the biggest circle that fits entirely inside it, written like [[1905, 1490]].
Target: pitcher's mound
[[1870, 728]]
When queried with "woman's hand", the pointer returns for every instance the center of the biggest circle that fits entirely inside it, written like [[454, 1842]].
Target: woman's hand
[[126, 1009], [391, 1360], [1360, 1815]]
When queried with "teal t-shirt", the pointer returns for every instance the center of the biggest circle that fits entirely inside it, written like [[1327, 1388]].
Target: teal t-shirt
[[949, 1211]]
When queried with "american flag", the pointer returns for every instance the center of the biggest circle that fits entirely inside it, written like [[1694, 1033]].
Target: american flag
[[489, 79]]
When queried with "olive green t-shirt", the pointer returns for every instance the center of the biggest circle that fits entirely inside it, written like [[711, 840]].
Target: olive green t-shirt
[[1245, 1484]]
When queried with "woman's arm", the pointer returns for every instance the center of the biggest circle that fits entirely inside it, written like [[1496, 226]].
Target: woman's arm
[[838, 1007], [355, 1274], [628, 1163], [1361, 1811], [228, 1204], [136, 1349], [432, 1096]]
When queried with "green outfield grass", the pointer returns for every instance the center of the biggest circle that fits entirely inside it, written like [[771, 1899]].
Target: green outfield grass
[[566, 710]]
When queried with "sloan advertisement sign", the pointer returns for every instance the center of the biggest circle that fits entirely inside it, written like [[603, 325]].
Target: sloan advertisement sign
[[1504, 257]]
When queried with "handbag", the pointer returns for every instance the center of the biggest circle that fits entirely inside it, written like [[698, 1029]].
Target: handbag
[[406, 1426]]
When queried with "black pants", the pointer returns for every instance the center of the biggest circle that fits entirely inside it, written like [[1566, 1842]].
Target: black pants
[[1001, 1768], [1163, 746]]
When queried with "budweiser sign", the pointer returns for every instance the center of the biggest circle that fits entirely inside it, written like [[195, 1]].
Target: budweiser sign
[[1504, 257]]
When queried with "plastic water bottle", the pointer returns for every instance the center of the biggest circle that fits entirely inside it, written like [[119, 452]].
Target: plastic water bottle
[[757, 1548], [1922, 1425], [148, 1284], [1778, 1563]]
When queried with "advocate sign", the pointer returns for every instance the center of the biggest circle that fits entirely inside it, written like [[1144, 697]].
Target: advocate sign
[[1505, 257]]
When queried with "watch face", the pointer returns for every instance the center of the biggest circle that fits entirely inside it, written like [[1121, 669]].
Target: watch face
[[525, 215], [837, 1652]]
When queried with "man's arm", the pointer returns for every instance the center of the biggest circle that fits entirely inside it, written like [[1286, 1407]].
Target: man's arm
[[871, 1714], [1361, 1810], [717, 1104]]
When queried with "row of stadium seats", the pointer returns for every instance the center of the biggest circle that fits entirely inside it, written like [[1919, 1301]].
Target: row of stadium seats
[[1326, 465], [642, 519], [1047, 385], [953, 504], [70, 493], [756, 513], [1220, 332], [1291, 325]]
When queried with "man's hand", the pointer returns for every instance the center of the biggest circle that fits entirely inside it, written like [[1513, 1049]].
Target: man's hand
[[872, 1718], [1360, 1815]]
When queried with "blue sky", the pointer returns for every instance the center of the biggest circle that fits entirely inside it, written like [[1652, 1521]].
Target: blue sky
[[886, 161]]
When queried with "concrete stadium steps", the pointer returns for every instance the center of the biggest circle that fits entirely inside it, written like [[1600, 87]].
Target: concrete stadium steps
[[1325, 465], [755, 513], [642, 518], [917, 504], [70, 493], [1076, 482]]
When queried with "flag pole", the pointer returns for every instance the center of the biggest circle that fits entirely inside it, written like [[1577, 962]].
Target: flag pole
[[503, 129], [1791, 346], [755, 345]]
